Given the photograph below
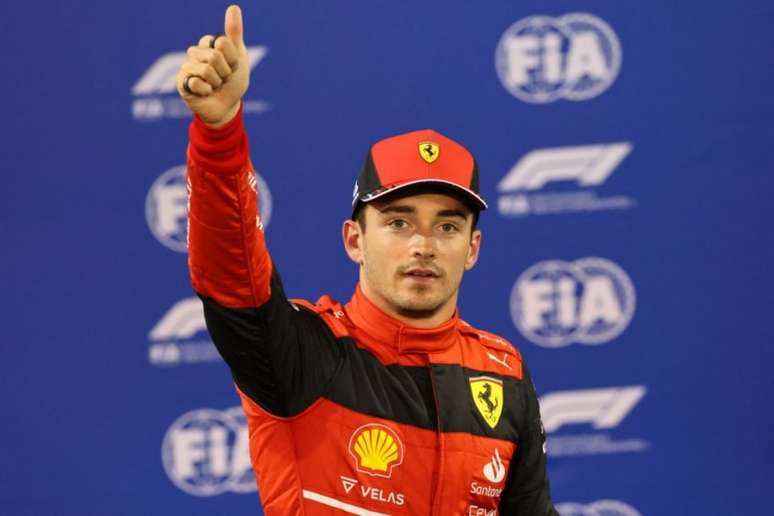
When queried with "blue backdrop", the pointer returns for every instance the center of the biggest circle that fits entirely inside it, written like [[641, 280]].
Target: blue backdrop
[[628, 252]]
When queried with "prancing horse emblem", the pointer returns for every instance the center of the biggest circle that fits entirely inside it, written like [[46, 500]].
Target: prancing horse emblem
[[429, 151], [488, 397]]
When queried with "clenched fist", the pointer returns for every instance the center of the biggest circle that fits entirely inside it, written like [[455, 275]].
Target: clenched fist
[[217, 74]]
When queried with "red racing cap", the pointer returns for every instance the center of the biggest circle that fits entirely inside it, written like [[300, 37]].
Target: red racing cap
[[416, 158]]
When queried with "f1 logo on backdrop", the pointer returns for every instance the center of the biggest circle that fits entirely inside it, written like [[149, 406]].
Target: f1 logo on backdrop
[[588, 165], [180, 336], [205, 452], [603, 409], [166, 208], [156, 91], [585, 166], [598, 508], [540, 59], [556, 303]]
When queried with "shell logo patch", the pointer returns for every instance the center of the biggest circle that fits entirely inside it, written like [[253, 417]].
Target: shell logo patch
[[429, 151], [377, 449], [488, 397]]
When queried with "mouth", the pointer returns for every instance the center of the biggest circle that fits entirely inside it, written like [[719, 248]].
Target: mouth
[[422, 275]]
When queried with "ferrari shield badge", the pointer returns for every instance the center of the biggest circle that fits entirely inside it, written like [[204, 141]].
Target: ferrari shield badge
[[488, 398], [429, 151]]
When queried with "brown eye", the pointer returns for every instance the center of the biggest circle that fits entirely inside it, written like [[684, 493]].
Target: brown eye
[[448, 228], [398, 224]]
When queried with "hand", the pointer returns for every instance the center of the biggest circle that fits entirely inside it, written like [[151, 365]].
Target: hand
[[219, 76]]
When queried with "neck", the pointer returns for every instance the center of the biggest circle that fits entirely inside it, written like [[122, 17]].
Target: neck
[[430, 318]]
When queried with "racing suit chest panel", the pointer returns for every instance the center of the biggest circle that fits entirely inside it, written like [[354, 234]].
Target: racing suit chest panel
[[382, 406], [333, 455], [439, 398]]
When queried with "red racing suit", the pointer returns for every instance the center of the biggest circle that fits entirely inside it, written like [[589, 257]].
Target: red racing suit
[[351, 411]]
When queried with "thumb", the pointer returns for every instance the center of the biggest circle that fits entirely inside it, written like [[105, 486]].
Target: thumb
[[233, 25]]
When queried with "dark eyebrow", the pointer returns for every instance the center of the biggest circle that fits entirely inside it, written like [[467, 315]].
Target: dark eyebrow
[[398, 209], [453, 213], [402, 208]]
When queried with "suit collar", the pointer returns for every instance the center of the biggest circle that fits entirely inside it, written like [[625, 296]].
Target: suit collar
[[396, 334]]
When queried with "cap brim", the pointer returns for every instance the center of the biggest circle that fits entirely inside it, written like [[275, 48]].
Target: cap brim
[[477, 200]]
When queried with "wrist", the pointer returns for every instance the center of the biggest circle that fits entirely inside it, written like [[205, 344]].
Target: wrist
[[228, 117]]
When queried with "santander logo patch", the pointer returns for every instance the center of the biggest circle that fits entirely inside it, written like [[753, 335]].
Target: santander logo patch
[[494, 470]]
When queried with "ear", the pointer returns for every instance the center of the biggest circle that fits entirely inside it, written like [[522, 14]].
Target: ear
[[473, 250], [353, 242]]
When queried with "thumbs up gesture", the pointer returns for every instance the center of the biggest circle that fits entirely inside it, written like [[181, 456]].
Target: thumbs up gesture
[[216, 73]]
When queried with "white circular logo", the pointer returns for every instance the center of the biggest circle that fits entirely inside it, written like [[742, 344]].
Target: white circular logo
[[598, 508], [588, 301], [166, 207], [540, 59], [206, 453]]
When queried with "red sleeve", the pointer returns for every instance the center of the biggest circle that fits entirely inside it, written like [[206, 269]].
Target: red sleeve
[[227, 257], [281, 356]]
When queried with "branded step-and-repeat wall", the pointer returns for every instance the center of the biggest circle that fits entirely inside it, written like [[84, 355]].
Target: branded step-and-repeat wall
[[625, 150]]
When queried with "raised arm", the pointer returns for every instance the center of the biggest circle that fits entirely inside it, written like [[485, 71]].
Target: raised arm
[[279, 355]]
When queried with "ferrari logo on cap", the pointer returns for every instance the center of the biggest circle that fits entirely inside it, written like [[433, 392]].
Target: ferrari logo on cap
[[429, 151], [488, 398]]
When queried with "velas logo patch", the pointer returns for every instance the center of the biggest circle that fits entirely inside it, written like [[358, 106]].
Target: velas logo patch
[[377, 450], [429, 151], [488, 397]]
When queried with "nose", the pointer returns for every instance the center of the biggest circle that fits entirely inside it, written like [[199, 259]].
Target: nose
[[423, 246]]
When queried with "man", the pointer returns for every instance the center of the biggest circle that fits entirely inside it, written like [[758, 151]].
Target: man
[[390, 404]]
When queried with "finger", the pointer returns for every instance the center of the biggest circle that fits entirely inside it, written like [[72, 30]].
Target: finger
[[228, 50], [211, 56], [199, 87], [207, 72], [204, 71], [196, 85], [204, 41], [233, 25]]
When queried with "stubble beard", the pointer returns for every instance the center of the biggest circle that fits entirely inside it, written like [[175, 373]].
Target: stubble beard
[[416, 301], [419, 307]]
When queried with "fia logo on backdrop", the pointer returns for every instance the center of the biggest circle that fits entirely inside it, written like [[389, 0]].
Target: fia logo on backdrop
[[598, 508], [166, 208], [563, 180], [569, 415], [205, 452], [155, 92], [556, 303], [541, 59]]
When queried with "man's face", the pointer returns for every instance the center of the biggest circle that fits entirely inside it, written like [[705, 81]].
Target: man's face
[[414, 252]]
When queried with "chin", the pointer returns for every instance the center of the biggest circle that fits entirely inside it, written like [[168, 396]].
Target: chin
[[419, 303]]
